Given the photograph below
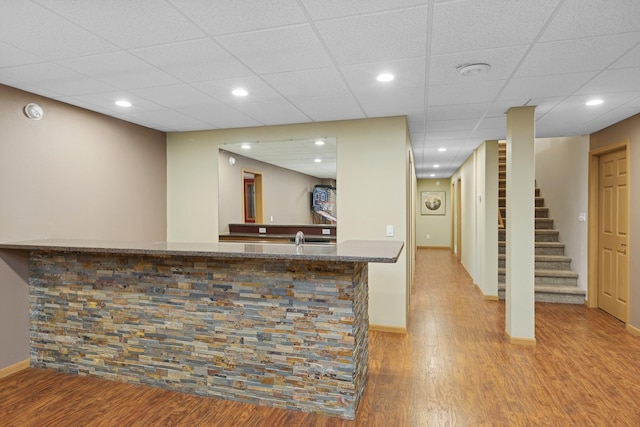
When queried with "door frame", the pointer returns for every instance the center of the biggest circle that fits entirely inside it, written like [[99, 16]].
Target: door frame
[[594, 216], [459, 219], [257, 176]]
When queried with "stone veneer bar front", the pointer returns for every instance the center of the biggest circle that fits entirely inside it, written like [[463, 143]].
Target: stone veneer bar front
[[268, 324]]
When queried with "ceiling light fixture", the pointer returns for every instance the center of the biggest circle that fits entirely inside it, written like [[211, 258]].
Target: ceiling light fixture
[[245, 146], [593, 102], [318, 160], [385, 77], [123, 103], [319, 142], [436, 166], [473, 69], [442, 149], [432, 175], [240, 92]]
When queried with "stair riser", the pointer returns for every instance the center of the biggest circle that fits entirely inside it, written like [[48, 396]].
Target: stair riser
[[539, 250], [552, 297], [540, 223], [538, 203], [543, 265], [502, 192], [540, 212], [551, 237]]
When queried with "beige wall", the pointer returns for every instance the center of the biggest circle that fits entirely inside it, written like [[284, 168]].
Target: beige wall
[[286, 193], [562, 176], [73, 174], [628, 129], [372, 167], [437, 227], [479, 207]]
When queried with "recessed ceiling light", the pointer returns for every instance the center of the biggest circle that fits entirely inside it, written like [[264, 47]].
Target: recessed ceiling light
[[318, 160], [385, 77], [240, 92], [436, 166], [245, 146], [442, 149], [593, 102], [319, 142], [432, 175], [123, 103], [473, 69]]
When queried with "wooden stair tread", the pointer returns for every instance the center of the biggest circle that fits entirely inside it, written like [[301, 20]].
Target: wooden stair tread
[[551, 289], [548, 273], [548, 258]]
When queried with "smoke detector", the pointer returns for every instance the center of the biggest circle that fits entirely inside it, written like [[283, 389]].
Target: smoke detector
[[473, 69], [33, 111]]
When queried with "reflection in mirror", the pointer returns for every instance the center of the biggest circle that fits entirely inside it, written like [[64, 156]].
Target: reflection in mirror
[[290, 171]]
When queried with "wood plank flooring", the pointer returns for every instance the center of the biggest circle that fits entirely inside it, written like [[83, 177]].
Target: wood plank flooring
[[453, 368]]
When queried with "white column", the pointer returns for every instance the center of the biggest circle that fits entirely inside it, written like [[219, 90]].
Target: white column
[[489, 224], [520, 239]]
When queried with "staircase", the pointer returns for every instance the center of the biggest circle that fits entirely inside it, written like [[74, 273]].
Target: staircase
[[554, 280]]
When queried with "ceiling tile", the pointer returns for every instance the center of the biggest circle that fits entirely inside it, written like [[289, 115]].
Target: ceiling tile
[[219, 115], [587, 18], [503, 62], [106, 102], [327, 9], [193, 61], [50, 36], [448, 125], [369, 37], [127, 24], [459, 111], [121, 70], [235, 16], [171, 121], [621, 80], [277, 50], [407, 72], [307, 83], [329, 108], [11, 56], [259, 90], [54, 78], [630, 60], [465, 93], [545, 86], [469, 25], [273, 112], [401, 101], [576, 56], [173, 96]]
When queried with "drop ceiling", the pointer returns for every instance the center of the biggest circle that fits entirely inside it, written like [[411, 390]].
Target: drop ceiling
[[316, 60]]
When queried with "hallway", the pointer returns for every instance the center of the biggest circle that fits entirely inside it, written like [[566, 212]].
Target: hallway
[[453, 368]]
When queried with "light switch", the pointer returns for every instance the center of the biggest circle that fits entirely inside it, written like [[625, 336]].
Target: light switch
[[582, 217], [389, 230]]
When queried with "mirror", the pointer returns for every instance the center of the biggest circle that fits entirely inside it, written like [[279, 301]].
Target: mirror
[[285, 174]]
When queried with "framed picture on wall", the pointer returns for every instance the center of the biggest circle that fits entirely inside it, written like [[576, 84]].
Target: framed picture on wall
[[433, 203]]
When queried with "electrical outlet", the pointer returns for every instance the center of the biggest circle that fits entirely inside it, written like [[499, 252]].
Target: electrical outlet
[[262, 230], [389, 230]]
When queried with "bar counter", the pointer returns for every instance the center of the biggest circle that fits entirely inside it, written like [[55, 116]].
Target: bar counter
[[269, 324]]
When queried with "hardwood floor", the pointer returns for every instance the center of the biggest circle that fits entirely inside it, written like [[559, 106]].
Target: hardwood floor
[[453, 368]]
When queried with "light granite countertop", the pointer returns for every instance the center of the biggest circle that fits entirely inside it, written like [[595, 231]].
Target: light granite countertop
[[378, 251]]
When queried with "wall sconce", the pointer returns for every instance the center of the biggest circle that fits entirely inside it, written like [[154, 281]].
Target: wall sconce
[[33, 111]]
